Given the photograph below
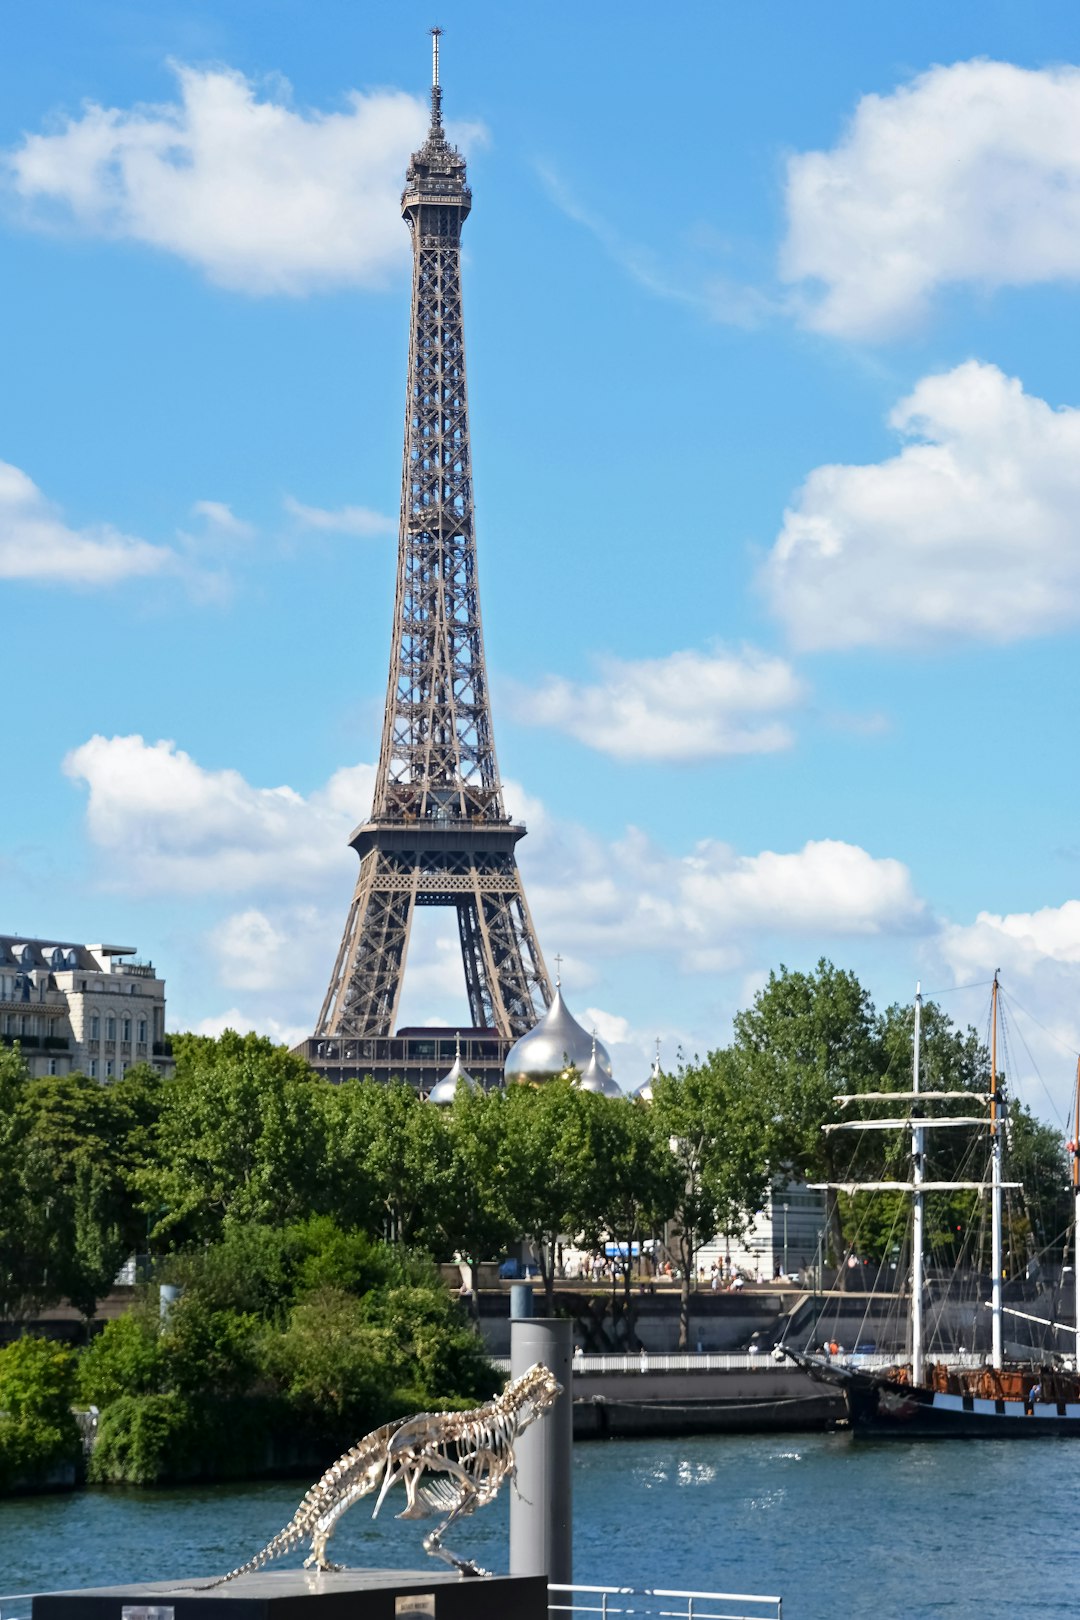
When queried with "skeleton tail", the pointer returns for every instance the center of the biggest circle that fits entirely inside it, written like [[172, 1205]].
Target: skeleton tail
[[283, 1542], [322, 1495]]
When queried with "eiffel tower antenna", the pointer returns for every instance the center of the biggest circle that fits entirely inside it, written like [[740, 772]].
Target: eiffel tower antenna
[[436, 88], [438, 834]]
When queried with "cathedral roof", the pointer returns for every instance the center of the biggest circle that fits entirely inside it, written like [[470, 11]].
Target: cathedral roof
[[444, 1091], [593, 1077], [557, 1043]]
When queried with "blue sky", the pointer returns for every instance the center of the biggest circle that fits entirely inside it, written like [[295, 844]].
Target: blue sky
[[772, 318]]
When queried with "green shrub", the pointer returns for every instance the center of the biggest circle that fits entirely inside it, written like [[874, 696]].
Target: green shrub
[[141, 1440], [209, 1352], [125, 1358], [171, 1438], [37, 1430], [252, 1268], [329, 1359], [440, 1357]]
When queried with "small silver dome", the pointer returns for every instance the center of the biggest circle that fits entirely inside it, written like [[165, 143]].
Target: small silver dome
[[593, 1077], [644, 1092], [444, 1091], [557, 1043]]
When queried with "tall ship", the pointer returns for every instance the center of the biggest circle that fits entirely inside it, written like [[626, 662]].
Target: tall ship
[[935, 1398]]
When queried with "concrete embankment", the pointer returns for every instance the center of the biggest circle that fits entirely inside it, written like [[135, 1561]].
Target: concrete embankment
[[769, 1400], [622, 1397]]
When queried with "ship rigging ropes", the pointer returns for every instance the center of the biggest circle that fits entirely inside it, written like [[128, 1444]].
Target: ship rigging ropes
[[870, 1306]]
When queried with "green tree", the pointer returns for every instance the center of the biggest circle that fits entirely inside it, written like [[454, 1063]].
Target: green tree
[[551, 1173], [239, 1137], [637, 1183], [808, 1038], [330, 1358], [389, 1140], [20, 1265], [471, 1208], [37, 1429], [125, 1358], [73, 1172], [716, 1117]]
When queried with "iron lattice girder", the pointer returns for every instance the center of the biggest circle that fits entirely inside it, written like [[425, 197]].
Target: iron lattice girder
[[439, 833]]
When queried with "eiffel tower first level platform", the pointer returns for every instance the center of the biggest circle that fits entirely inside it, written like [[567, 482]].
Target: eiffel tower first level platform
[[438, 834]]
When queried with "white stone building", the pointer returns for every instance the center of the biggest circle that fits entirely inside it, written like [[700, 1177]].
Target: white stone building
[[81, 1007], [784, 1236]]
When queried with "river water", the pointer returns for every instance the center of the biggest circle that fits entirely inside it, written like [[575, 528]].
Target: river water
[[838, 1528]]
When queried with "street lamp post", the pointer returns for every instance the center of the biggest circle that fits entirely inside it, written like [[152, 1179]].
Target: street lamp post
[[785, 1240]]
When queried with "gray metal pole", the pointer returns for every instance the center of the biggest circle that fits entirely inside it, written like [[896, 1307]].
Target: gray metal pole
[[541, 1517]]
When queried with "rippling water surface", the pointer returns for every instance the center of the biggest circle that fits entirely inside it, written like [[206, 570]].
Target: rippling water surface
[[898, 1531]]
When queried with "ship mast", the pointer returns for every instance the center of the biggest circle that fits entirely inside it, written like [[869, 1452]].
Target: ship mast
[[918, 1197], [996, 1136], [1075, 1144]]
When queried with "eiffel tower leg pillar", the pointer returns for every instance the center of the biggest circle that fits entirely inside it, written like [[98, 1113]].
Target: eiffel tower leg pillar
[[504, 970], [365, 988]]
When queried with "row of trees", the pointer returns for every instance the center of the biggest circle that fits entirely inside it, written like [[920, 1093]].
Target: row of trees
[[245, 1133]]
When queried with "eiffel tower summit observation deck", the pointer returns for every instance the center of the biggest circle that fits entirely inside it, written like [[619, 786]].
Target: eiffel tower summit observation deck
[[438, 834]]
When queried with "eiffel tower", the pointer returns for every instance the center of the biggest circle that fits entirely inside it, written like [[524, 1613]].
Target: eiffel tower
[[438, 834]]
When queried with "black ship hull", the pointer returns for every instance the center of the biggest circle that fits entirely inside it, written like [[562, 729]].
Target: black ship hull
[[881, 1406]]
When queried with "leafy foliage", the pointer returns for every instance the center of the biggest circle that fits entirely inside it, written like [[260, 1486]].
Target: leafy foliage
[[37, 1429], [716, 1119]]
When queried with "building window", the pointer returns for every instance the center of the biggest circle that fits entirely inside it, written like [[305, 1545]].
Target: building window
[[52, 1065], [95, 1027], [93, 1068], [142, 1030], [127, 1029], [109, 1068], [110, 1029]]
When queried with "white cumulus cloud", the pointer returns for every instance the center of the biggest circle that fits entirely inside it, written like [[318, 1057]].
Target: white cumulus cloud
[[261, 196], [686, 706], [243, 1023], [969, 174], [970, 531], [1038, 955], [705, 908], [37, 545], [167, 824]]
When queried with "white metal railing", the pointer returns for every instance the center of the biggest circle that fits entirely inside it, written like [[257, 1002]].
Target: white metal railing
[[764, 1361], [653, 1361], [659, 1601]]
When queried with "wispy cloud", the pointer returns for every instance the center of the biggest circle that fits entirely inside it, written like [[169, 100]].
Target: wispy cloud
[[701, 288], [361, 521], [38, 546]]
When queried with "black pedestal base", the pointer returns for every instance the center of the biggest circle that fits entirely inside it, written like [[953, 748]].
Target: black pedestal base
[[351, 1594]]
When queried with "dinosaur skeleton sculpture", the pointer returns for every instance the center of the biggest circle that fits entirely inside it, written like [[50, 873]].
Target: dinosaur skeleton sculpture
[[474, 1450]]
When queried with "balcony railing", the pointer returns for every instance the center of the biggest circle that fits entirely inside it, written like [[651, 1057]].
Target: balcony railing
[[163, 1048]]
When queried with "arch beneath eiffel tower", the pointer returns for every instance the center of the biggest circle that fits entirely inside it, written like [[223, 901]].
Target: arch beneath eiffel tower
[[438, 834]]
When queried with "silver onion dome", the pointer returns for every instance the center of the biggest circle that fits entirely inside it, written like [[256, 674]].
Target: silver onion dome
[[644, 1092], [444, 1091], [593, 1077], [557, 1043]]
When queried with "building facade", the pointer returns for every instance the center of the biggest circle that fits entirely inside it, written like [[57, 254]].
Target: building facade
[[81, 1007], [786, 1237]]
